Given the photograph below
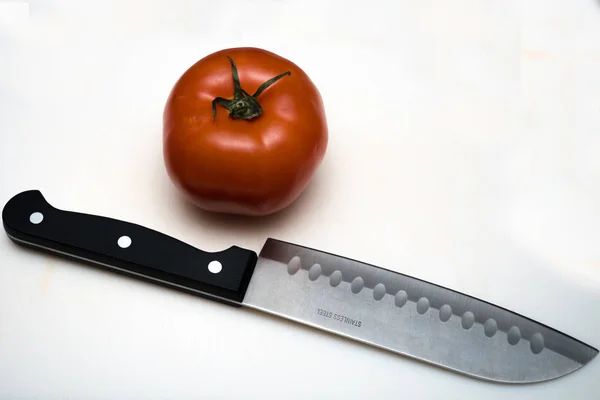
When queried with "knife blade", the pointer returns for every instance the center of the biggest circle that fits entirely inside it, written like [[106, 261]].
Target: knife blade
[[349, 298]]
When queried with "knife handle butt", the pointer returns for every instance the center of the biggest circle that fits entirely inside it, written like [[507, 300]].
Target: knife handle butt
[[129, 249]]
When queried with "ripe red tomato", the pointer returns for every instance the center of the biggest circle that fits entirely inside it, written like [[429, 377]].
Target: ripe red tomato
[[231, 145]]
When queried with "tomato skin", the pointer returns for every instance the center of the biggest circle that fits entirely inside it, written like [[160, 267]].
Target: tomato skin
[[250, 167]]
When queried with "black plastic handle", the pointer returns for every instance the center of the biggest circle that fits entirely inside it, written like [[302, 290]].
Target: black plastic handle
[[128, 248]]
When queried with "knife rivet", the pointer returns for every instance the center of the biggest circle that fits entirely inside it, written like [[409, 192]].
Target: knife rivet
[[36, 218], [124, 242], [215, 267]]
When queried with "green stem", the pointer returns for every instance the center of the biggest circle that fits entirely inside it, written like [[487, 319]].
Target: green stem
[[242, 105], [268, 83], [237, 88]]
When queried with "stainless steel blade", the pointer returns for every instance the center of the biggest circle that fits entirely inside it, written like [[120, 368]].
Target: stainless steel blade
[[409, 316]]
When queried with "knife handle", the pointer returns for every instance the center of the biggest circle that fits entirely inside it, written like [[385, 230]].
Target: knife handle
[[128, 248]]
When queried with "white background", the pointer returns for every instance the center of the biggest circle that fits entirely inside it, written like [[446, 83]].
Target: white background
[[464, 149]]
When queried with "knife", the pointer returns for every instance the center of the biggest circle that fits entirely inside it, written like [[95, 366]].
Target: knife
[[363, 302]]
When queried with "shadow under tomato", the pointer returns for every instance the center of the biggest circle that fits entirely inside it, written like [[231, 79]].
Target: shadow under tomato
[[251, 230]]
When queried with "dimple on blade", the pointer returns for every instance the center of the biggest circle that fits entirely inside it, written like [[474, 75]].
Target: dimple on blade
[[409, 316]]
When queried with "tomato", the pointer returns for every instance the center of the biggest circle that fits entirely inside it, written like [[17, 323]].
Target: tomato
[[233, 146]]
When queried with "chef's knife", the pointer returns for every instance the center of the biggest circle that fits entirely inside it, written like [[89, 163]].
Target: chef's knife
[[356, 300]]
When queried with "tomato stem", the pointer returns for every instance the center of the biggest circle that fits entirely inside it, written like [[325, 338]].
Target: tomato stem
[[243, 105]]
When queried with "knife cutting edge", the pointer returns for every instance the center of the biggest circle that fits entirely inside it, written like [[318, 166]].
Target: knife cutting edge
[[369, 304]]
